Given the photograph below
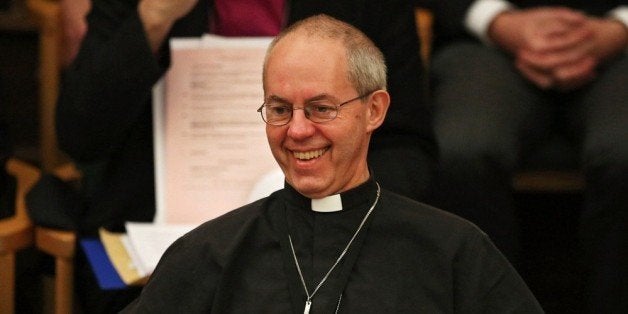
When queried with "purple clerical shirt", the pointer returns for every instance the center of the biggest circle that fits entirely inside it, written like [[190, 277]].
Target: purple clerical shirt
[[248, 17]]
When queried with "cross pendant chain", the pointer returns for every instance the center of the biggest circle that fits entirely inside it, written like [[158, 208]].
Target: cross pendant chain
[[306, 310], [308, 302]]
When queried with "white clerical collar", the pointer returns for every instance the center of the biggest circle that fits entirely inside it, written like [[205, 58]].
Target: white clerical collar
[[332, 203]]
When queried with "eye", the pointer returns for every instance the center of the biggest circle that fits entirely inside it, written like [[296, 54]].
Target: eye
[[321, 108], [277, 110]]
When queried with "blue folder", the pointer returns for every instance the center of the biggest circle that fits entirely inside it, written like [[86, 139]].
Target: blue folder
[[106, 274]]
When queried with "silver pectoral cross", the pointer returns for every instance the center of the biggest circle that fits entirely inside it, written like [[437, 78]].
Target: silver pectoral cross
[[306, 310]]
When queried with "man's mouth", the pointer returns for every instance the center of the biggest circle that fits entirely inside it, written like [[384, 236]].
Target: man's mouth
[[309, 154]]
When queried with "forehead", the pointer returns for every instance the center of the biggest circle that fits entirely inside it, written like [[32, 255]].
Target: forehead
[[299, 61]]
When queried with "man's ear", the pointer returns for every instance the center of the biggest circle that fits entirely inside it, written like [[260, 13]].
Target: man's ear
[[377, 108]]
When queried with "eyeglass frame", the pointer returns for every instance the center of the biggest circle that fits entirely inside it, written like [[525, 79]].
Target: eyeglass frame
[[307, 115]]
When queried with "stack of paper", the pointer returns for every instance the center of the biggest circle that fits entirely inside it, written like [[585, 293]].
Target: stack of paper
[[135, 254]]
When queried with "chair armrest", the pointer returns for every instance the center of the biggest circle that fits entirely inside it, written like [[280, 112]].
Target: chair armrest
[[58, 243], [16, 232]]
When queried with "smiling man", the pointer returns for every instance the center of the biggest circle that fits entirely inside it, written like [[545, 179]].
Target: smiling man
[[319, 109], [331, 241]]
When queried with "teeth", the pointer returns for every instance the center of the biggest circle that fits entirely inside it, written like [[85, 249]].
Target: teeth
[[309, 155]]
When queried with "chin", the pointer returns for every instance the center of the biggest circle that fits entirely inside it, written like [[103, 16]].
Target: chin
[[310, 187]]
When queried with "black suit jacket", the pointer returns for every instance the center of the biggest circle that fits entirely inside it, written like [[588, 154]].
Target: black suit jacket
[[104, 110]]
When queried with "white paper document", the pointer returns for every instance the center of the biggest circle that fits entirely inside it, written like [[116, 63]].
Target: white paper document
[[210, 144]]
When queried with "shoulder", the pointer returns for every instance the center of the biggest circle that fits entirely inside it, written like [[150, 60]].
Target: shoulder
[[211, 243], [417, 224], [398, 208], [202, 253], [480, 276], [221, 233]]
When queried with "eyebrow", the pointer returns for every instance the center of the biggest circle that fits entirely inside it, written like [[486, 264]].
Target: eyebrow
[[311, 99]]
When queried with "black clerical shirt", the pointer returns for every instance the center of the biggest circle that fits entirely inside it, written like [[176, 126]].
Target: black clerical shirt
[[408, 258]]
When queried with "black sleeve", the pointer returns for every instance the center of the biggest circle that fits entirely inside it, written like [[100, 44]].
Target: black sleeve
[[108, 87]]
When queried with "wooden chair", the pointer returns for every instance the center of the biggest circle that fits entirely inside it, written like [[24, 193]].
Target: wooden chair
[[57, 243], [539, 176], [16, 232]]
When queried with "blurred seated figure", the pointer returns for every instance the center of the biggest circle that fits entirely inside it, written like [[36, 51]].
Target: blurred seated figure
[[505, 74]]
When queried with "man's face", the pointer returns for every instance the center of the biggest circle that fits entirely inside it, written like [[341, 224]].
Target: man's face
[[318, 159]]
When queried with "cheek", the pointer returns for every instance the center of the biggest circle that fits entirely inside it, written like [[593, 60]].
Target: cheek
[[354, 126], [349, 140], [274, 138]]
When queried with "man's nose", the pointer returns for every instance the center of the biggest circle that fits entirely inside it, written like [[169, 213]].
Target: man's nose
[[300, 126]]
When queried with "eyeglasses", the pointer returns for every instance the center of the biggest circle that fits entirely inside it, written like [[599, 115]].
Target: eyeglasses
[[278, 113]]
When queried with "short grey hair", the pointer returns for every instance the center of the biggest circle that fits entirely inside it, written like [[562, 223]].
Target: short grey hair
[[366, 64]]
